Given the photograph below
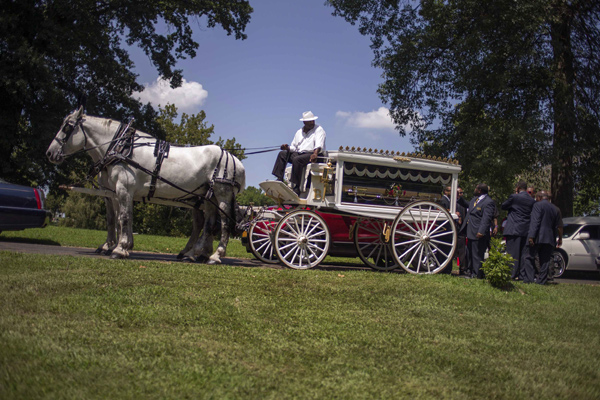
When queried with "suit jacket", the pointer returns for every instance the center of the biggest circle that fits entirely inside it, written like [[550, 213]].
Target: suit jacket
[[519, 212], [545, 219], [479, 218], [462, 202], [445, 202]]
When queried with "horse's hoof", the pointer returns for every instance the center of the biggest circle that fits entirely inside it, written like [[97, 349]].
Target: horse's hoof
[[180, 256], [107, 252], [98, 250], [213, 262], [187, 259], [119, 254]]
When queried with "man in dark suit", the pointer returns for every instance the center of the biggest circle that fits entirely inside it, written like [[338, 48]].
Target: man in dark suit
[[479, 220], [518, 205], [445, 201], [461, 238], [544, 227], [446, 197]]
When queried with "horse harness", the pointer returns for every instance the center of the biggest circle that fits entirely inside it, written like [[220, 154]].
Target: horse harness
[[121, 147]]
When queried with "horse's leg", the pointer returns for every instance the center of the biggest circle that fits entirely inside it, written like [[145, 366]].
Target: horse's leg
[[125, 220], [111, 229], [225, 199], [203, 247], [197, 223]]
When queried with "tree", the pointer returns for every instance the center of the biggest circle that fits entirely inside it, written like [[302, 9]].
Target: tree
[[254, 196], [501, 85], [193, 131], [54, 50]]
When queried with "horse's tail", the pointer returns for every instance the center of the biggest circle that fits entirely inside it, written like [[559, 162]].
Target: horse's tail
[[233, 212]]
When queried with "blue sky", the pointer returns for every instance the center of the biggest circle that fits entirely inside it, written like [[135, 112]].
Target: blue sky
[[297, 57]]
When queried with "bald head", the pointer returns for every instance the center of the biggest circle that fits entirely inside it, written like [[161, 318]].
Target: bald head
[[542, 195]]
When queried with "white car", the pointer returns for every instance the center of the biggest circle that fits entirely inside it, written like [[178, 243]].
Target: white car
[[580, 250]]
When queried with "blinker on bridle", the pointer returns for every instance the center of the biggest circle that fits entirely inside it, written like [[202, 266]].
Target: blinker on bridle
[[68, 129]]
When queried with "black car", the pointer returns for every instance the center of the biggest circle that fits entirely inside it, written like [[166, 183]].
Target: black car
[[21, 207]]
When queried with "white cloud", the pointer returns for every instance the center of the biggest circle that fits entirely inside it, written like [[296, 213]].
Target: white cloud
[[376, 119], [187, 98]]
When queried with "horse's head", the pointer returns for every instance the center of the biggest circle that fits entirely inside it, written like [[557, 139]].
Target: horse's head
[[69, 139]]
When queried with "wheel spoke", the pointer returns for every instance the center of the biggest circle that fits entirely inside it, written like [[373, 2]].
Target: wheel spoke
[[259, 248], [378, 255], [440, 250], [439, 227], [439, 242], [407, 242], [316, 235], [370, 229], [407, 225], [404, 233], [287, 245], [415, 252], [315, 226], [372, 251], [410, 249], [262, 235], [445, 233], [294, 254], [420, 259], [432, 224]]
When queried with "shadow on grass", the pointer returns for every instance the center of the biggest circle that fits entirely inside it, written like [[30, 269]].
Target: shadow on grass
[[29, 240]]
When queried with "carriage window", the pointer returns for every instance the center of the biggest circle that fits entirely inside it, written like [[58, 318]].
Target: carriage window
[[379, 185]]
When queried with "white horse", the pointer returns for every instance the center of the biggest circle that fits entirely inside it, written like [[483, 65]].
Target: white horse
[[187, 175]]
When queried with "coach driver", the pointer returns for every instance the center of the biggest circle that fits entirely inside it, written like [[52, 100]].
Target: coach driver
[[308, 143]]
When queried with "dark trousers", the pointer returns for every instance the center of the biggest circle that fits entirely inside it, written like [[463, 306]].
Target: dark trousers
[[476, 251], [298, 160], [516, 246], [544, 252], [461, 252]]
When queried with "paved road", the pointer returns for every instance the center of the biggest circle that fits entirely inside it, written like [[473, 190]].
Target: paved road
[[35, 248]]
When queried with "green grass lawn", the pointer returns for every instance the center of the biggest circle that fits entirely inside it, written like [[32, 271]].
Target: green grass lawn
[[85, 328]]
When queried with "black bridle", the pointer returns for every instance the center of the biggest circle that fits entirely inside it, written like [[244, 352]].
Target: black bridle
[[68, 129]]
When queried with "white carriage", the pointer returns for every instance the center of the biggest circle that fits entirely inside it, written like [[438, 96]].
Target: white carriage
[[392, 199]]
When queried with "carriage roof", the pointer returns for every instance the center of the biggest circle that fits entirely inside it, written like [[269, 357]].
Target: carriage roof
[[393, 158], [371, 182]]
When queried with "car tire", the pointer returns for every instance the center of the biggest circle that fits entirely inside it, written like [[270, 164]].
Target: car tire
[[560, 263]]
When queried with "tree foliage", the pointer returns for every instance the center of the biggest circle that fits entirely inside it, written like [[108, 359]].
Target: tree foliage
[[504, 86], [84, 211], [193, 130], [54, 50], [255, 197]]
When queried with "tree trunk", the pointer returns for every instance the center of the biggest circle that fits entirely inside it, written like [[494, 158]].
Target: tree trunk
[[565, 124]]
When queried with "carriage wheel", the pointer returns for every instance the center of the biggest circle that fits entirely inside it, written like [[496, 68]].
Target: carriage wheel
[[301, 239], [424, 238], [372, 242], [260, 238]]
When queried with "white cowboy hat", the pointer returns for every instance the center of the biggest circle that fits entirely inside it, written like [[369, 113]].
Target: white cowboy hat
[[308, 116]]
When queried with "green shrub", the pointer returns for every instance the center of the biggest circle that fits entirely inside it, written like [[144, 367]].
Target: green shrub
[[498, 266]]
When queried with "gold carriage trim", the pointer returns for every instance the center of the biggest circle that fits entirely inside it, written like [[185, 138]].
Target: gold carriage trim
[[396, 155]]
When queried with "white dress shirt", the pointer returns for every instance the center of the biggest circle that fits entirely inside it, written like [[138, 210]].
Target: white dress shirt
[[309, 141]]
